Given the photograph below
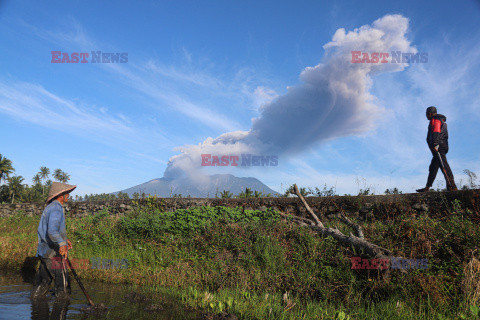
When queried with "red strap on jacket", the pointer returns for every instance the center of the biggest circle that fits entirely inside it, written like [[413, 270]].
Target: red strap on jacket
[[436, 125]]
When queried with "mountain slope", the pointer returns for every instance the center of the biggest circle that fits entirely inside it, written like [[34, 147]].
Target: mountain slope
[[187, 187]]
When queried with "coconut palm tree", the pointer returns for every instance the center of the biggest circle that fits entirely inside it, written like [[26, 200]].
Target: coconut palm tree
[[37, 182], [15, 185], [44, 173], [257, 194], [5, 168], [247, 194], [57, 175], [36, 179], [303, 191], [225, 194], [64, 177]]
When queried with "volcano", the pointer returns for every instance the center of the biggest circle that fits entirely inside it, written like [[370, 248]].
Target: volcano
[[185, 187]]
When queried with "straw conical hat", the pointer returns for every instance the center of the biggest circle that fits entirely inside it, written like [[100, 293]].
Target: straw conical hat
[[58, 188]]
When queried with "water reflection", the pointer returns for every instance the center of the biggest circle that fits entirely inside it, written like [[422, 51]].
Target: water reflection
[[15, 303], [41, 309]]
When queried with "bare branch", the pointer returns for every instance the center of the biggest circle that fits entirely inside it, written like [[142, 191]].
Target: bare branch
[[342, 216], [358, 242], [356, 227], [297, 192], [300, 219]]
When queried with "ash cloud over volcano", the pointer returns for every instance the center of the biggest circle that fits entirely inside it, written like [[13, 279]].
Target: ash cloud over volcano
[[333, 101]]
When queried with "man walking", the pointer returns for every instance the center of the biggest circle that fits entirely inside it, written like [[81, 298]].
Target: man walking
[[53, 244], [437, 140]]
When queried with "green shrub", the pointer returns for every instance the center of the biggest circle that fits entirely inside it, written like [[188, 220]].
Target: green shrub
[[154, 224]]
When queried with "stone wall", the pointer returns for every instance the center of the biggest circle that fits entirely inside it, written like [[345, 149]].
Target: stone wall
[[434, 203]]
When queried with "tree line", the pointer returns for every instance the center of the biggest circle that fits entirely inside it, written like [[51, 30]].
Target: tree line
[[13, 188]]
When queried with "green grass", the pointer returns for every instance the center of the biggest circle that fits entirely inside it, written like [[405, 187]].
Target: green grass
[[245, 261]]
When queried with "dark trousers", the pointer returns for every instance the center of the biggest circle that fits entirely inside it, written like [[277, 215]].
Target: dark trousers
[[435, 164], [51, 269]]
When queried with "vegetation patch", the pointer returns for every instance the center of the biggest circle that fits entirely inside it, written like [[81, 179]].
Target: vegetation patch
[[256, 265]]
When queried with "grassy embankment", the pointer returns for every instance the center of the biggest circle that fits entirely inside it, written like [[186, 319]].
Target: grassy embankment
[[224, 260]]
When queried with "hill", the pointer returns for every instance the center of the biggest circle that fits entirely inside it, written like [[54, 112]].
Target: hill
[[209, 187]]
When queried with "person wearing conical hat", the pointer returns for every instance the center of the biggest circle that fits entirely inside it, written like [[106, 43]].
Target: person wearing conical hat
[[53, 244]]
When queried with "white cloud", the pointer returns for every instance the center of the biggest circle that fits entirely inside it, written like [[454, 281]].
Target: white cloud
[[332, 102], [71, 34], [34, 104], [163, 85]]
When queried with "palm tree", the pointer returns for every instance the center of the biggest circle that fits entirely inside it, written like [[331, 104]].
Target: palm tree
[[226, 194], [44, 173], [291, 190], [36, 179], [5, 168], [57, 175], [15, 185], [64, 177], [257, 194], [37, 182], [247, 194]]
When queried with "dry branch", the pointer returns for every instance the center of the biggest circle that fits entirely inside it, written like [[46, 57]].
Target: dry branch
[[297, 192], [354, 226], [358, 242]]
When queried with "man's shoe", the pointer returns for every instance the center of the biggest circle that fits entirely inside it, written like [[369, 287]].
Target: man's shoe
[[423, 189], [452, 189]]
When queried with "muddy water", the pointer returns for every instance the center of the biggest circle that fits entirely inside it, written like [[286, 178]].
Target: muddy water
[[121, 302]]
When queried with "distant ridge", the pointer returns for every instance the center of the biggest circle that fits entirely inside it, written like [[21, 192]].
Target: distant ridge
[[163, 187]]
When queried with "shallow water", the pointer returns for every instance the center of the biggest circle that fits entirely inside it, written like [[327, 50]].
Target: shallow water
[[15, 303]]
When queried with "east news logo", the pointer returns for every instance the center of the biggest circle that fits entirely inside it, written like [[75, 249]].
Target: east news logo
[[394, 263], [234, 160], [96, 57], [381, 57]]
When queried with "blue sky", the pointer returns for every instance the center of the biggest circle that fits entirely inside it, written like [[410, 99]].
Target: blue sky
[[200, 69]]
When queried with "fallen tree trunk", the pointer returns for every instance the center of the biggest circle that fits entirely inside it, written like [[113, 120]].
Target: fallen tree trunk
[[357, 241]]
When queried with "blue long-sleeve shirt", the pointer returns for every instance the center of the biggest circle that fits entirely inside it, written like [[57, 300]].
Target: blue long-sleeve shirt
[[52, 233]]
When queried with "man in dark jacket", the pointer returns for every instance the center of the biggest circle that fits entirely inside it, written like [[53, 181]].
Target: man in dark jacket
[[437, 140]]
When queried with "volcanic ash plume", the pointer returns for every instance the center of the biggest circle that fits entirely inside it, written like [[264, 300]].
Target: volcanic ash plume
[[332, 102]]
